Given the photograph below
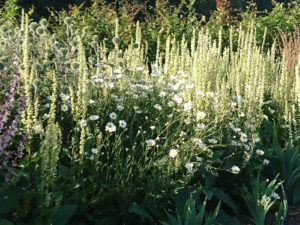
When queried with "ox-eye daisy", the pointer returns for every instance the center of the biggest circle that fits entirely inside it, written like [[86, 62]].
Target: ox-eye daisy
[[110, 127]]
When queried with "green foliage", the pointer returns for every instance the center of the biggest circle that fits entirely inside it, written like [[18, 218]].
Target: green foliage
[[10, 12], [258, 198], [194, 214], [286, 161]]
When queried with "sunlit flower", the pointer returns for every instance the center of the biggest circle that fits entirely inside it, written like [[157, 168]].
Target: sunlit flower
[[200, 125], [212, 141], [162, 94], [265, 201], [189, 167], [120, 107], [122, 123], [242, 114], [236, 129], [243, 137], [94, 150], [187, 121], [92, 101], [210, 94], [110, 127], [235, 169], [202, 147], [177, 99], [150, 143], [200, 115], [82, 123], [64, 97], [266, 162], [173, 153], [64, 108], [110, 85], [187, 106], [233, 104], [113, 116], [152, 127], [197, 141], [158, 107], [93, 117], [171, 103], [38, 129], [200, 94], [260, 152]]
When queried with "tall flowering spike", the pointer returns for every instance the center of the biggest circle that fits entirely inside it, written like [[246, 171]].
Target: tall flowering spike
[[53, 98], [50, 150], [82, 96]]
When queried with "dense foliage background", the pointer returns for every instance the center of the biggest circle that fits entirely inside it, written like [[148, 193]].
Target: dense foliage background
[[157, 112]]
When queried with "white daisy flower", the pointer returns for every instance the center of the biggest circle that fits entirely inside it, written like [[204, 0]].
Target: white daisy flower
[[113, 115], [265, 201], [260, 152], [64, 108], [212, 141], [93, 117], [158, 107], [38, 129], [200, 115], [197, 141], [150, 143], [187, 106], [235, 170], [171, 103], [189, 167], [243, 137], [110, 127], [173, 153], [120, 107], [122, 123], [266, 162], [200, 94]]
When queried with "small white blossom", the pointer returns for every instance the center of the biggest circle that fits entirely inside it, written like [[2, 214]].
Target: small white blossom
[[266, 162], [187, 106], [260, 152], [189, 167], [64, 108], [173, 153], [113, 116], [122, 123], [150, 143], [200, 115], [235, 170], [93, 117], [110, 127]]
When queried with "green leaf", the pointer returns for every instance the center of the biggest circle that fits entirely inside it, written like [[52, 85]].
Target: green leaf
[[64, 172], [63, 214], [9, 199], [5, 222], [225, 198], [135, 208]]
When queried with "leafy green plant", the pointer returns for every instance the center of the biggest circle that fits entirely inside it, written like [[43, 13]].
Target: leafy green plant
[[194, 215], [286, 161], [258, 198]]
